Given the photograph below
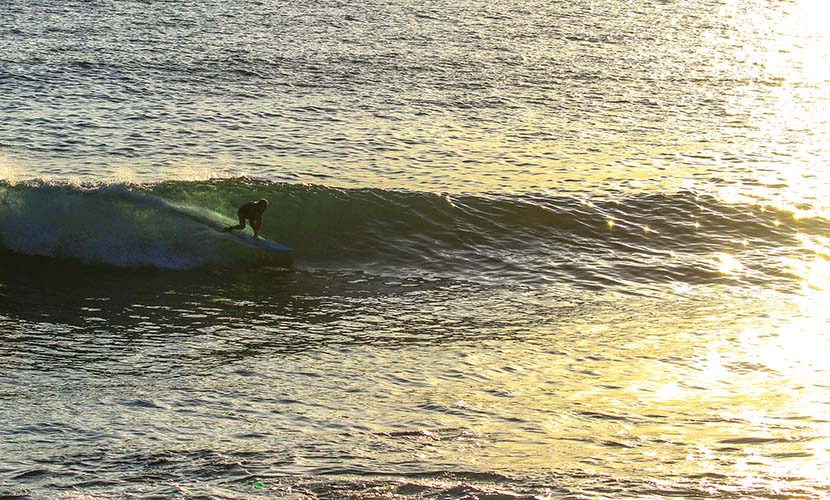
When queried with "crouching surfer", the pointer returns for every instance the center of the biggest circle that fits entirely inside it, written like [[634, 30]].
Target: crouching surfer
[[252, 212]]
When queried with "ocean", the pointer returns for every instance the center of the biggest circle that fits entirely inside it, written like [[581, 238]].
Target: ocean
[[541, 249]]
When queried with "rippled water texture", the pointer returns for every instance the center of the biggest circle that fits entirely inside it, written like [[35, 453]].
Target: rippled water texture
[[434, 96], [347, 386], [541, 249]]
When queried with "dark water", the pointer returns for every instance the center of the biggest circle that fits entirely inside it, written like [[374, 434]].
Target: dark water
[[540, 250]]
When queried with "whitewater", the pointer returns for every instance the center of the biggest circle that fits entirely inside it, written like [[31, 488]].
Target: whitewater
[[540, 250]]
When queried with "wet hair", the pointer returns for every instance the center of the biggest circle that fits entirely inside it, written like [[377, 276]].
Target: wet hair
[[262, 200]]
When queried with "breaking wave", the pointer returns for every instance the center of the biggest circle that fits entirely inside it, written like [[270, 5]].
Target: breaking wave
[[683, 236]]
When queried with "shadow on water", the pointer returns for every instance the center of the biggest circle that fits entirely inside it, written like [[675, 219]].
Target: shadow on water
[[56, 313]]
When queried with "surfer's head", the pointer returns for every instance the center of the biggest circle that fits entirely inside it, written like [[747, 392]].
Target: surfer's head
[[262, 204]]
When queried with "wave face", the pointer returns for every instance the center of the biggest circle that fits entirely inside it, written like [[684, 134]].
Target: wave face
[[640, 239], [117, 225]]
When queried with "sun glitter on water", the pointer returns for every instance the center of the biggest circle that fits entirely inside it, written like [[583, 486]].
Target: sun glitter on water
[[812, 270], [726, 263], [782, 53]]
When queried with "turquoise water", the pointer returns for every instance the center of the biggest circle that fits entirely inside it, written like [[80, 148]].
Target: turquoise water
[[540, 250]]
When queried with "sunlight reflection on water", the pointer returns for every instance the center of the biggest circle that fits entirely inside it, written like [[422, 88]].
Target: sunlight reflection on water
[[666, 335]]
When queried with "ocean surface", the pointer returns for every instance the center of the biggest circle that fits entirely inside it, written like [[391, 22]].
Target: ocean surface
[[541, 249]]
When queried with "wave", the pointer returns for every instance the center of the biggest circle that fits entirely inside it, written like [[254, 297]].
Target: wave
[[117, 225], [172, 225]]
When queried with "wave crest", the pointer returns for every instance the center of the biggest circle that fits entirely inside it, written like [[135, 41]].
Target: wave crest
[[171, 225]]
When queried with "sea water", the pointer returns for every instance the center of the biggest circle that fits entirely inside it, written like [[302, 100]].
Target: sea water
[[542, 249]]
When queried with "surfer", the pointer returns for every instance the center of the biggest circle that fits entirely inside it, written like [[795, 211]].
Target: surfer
[[253, 212]]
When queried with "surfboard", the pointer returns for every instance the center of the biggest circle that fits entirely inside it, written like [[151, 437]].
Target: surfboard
[[271, 252], [260, 243]]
